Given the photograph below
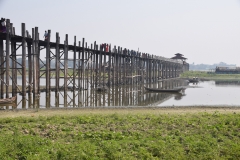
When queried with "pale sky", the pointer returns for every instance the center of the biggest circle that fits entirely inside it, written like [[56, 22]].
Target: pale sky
[[204, 31]]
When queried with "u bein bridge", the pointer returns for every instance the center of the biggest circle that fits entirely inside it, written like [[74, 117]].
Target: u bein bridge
[[93, 66]]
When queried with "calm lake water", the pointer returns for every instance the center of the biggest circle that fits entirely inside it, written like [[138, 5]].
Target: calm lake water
[[208, 93], [203, 93]]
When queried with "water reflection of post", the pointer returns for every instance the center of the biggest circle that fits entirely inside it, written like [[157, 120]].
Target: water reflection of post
[[65, 99], [131, 96], [119, 95], [1, 67], [23, 103], [109, 96], [57, 99], [125, 99], [113, 96], [79, 98], [96, 98], [74, 98], [85, 68], [14, 69], [87, 96], [91, 97], [48, 104], [29, 100], [35, 101], [91, 66], [104, 100]]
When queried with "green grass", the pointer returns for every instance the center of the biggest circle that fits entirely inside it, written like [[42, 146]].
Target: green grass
[[122, 136], [205, 75]]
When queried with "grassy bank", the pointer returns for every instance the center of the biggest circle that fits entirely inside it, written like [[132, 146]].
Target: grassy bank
[[121, 134], [213, 76]]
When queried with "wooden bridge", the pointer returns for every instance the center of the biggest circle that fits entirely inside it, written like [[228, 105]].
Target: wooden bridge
[[93, 66]]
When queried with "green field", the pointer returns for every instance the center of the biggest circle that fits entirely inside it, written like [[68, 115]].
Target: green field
[[205, 75], [130, 135]]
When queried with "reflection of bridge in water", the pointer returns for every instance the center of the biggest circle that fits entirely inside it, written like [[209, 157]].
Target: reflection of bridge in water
[[116, 96]]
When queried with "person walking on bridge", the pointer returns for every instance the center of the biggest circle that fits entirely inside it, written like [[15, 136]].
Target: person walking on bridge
[[45, 36], [3, 25]]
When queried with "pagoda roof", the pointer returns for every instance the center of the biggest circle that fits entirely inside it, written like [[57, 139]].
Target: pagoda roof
[[178, 57], [179, 54]]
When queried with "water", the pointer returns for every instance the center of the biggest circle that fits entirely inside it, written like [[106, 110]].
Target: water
[[204, 93], [208, 93]]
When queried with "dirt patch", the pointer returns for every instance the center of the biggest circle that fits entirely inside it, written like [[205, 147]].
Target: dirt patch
[[127, 110]]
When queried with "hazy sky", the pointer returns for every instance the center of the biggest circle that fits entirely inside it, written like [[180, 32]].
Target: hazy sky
[[204, 31]]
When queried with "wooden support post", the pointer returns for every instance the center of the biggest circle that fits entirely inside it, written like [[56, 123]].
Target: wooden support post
[[153, 70], [87, 71], [82, 64], [91, 66], [96, 68], [38, 59], [85, 66], [1, 68], [79, 74], [137, 68], [114, 66], [109, 65], [7, 57], [23, 61], [100, 64], [163, 69], [79, 70], [34, 62], [57, 63], [124, 66], [30, 75], [65, 64], [150, 68], [117, 65], [48, 85], [143, 70], [158, 69], [74, 63], [94, 65], [104, 70], [167, 70], [14, 70], [147, 69]]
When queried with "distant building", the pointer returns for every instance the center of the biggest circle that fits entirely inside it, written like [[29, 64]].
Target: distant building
[[227, 70]]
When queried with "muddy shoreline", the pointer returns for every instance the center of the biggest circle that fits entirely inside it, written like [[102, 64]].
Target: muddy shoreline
[[119, 110]]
